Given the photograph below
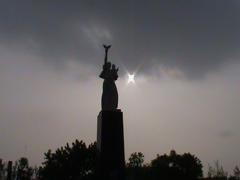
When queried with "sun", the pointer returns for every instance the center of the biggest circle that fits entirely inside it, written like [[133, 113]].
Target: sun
[[131, 78]]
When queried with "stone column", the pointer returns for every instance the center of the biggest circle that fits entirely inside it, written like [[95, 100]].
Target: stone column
[[110, 145]]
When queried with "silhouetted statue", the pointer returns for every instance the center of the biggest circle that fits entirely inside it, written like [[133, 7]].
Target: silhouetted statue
[[110, 94]]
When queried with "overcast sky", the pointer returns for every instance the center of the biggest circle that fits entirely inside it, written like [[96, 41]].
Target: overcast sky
[[185, 55]]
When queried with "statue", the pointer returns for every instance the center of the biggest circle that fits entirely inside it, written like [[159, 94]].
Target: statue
[[110, 94]]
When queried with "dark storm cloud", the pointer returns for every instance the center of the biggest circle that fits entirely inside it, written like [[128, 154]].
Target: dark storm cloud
[[194, 36]]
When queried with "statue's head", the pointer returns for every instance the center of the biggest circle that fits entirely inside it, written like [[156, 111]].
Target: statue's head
[[113, 66], [108, 65]]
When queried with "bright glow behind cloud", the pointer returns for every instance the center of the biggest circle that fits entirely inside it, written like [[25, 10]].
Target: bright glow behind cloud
[[96, 34]]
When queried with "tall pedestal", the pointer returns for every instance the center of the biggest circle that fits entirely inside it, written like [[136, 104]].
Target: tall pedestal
[[110, 145]]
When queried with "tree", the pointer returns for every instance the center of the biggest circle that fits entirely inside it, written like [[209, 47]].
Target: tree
[[76, 162], [190, 166], [22, 170], [232, 178], [217, 171], [134, 168], [175, 166], [136, 160], [2, 170], [237, 172], [166, 167], [37, 172]]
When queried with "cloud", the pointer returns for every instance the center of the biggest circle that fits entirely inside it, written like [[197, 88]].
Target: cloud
[[96, 34], [225, 134], [194, 37]]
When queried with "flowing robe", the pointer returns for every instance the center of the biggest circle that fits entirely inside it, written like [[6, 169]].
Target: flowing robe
[[110, 94]]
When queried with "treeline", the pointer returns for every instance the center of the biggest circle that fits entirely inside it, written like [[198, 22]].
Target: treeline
[[77, 162], [165, 167], [20, 170]]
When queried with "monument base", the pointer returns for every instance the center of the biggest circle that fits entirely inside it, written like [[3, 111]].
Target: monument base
[[110, 145]]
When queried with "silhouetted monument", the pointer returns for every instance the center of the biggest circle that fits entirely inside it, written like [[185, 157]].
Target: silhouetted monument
[[110, 137]]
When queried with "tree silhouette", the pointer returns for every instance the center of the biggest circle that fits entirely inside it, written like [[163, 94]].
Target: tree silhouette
[[217, 171], [134, 168], [22, 170], [190, 166], [2, 170], [75, 162], [136, 160], [176, 167], [236, 172]]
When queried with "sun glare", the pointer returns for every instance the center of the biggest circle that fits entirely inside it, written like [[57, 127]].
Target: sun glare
[[131, 78]]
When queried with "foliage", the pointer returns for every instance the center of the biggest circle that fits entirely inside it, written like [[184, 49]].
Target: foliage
[[237, 172], [37, 172], [76, 162], [174, 166], [216, 178], [217, 171], [135, 168], [232, 178], [236, 176], [136, 160], [165, 167], [22, 170], [2, 170]]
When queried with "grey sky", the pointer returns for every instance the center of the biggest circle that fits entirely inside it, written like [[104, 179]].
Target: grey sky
[[202, 34], [186, 95]]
